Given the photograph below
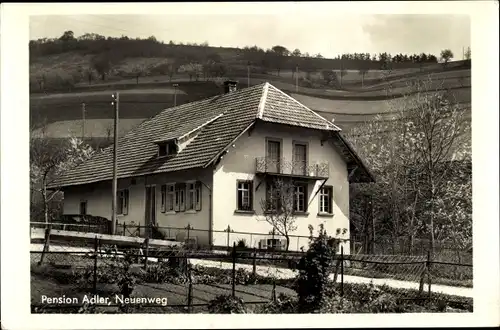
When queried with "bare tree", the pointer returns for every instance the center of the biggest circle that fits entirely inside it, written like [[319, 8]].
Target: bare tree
[[417, 190], [48, 159], [140, 70], [437, 128], [278, 208]]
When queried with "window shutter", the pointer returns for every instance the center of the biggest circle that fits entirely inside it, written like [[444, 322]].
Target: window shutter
[[177, 198], [182, 200], [198, 196], [163, 198], [125, 202], [306, 197], [330, 209], [250, 193]]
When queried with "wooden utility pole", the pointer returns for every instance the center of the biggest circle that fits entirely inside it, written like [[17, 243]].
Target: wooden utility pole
[[83, 121], [297, 78], [175, 94], [116, 102], [248, 74]]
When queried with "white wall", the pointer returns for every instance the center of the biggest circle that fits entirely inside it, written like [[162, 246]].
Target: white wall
[[240, 164], [98, 197]]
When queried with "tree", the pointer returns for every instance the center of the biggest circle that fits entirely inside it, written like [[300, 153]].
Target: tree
[[343, 72], [296, 52], [363, 69], [193, 69], [101, 64], [139, 70], [280, 50], [278, 208], [439, 127], [446, 56], [315, 268], [419, 190], [67, 36], [48, 160]]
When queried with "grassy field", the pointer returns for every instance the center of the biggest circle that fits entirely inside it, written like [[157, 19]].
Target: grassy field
[[353, 105]]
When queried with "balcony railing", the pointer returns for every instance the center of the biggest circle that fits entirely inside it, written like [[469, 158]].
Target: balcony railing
[[286, 167]]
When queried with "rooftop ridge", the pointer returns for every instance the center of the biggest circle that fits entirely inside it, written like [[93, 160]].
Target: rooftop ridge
[[262, 103], [327, 122]]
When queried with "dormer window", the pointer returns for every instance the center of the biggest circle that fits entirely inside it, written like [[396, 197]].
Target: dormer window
[[167, 149]]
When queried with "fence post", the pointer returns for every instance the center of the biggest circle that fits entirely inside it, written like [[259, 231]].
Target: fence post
[[429, 272], [341, 270], [46, 244], [146, 252], [124, 229], [254, 262], [228, 234], [274, 288], [190, 288], [139, 230], [234, 270], [96, 247], [422, 280]]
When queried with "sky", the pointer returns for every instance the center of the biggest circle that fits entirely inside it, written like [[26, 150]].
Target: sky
[[327, 34]]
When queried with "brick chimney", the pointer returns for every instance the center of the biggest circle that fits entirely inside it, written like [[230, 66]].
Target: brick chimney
[[230, 86]]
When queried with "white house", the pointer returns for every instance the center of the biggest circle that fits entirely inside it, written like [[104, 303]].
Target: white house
[[207, 164]]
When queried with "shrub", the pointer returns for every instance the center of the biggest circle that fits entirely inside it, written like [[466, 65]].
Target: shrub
[[384, 303], [337, 304], [157, 273], [284, 304], [226, 304], [314, 270], [242, 243]]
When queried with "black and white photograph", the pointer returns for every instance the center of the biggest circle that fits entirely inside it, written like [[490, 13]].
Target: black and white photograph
[[251, 158]]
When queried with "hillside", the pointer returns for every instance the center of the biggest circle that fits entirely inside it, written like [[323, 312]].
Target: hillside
[[59, 85]]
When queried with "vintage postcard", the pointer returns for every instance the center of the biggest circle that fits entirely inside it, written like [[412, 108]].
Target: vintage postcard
[[200, 161]]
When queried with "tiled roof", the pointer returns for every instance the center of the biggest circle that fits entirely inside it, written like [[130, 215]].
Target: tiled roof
[[219, 119]]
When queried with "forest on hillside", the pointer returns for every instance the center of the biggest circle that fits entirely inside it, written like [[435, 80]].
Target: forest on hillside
[[105, 54]]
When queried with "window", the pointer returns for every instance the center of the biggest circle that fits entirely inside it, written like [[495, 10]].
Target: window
[[83, 208], [180, 196], [299, 158], [166, 149], [167, 197], [326, 200], [300, 198], [244, 195], [273, 198], [122, 202], [191, 196], [273, 154]]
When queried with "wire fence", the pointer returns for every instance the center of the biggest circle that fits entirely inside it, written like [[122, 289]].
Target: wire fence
[[198, 238], [139, 277]]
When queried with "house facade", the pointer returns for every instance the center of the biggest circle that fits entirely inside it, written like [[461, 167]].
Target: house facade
[[213, 164]]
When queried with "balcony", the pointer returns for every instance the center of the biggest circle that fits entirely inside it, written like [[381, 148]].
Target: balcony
[[299, 169]]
